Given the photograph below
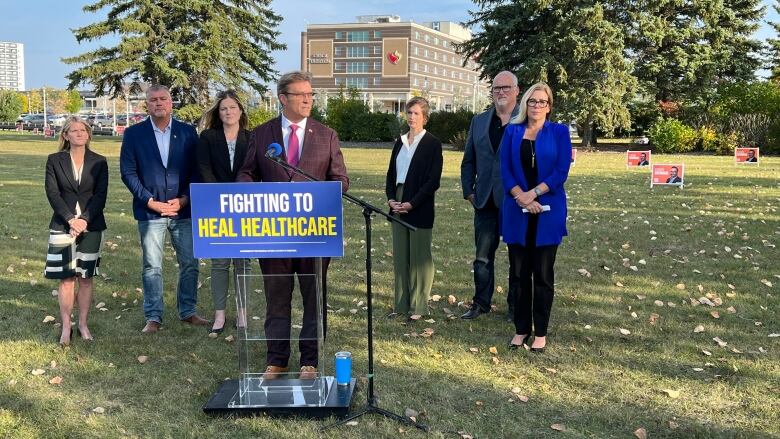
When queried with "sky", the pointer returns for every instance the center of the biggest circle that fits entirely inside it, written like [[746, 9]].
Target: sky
[[44, 27]]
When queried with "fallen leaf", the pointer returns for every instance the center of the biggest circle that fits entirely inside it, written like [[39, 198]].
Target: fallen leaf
[[56, 380], [495, 360], [706, 352], [653, 318], [430, 321], [411, 413], [48, 319], [436, 297], [522, 398], [720, 342], [640, 433], [698, 329], [680, 286], [493, 350], [98, 410], [550, 370], [766, 282], [143, 359], [658, 303], [624, 331], [584, 272], [229, 338], [415, 317], [715, 314], [452, 300], [100, 305], [352, 423], [213, 335], [37, 372], [558, 427], [674, 394], [474, 350]]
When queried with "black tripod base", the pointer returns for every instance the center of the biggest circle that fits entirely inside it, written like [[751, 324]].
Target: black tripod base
[[370, 408]]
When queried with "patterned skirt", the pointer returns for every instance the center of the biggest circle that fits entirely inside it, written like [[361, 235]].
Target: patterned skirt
[[68, 257]]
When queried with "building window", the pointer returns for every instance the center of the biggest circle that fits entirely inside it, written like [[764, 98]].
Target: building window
[[339, 50], [339, 35], [339, 81], [340, 66], [435, 70], [416, 82], [435, 41], [377, 35], [357, 52], [357, 36], [426, 53], [377, 50], [444, 43], [460, 75], [416, 35], [414, 67], [377, 66], [357, 67], [425, 68], [443, 57], [357, 82], [416, 50], [377, 80], [435, 55], [427, 38]]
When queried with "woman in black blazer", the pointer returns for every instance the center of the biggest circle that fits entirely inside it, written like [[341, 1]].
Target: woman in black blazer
[[221, 152], [412, 180], [76, 186]]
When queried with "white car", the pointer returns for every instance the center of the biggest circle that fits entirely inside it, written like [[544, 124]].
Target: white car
[[57, 120], [644, 140]]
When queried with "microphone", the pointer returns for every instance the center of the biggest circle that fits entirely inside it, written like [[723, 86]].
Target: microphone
[[274, 151]]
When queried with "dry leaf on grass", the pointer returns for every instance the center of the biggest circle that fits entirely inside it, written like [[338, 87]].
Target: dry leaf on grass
[[37, 372], [98, 410], [522, 398], [352, 423], [495, 360], [452, 300], [493, 350], [415, 317], [474, 350], [624, 331], [436, 298], [640, 433], [720, 342], [143, 359], [659, 303], [56, 380], [213, 335], [699, 328], [558, 427], [48, 319], [584, 272], [674, 394], [715, 314]]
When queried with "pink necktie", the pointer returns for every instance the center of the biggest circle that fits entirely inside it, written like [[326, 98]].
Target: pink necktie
[[292, 146]]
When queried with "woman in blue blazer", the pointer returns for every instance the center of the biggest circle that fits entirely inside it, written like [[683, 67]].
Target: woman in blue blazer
[[535, 160]]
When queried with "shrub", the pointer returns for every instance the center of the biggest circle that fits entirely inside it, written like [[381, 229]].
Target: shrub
[[706, 139], [258, 116], [458, 141], [11, 104], [725, 144], [447, 124], [671, 135]]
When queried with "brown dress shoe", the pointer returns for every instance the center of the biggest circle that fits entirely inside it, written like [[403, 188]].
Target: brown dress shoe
[[308, 373], [196, 320], [151, 326], [274, 372]]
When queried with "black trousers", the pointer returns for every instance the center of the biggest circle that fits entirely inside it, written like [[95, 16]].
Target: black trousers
[[533, 270], [278, 295]]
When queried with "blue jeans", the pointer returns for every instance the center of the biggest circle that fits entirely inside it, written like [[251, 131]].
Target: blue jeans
[[486, 238], [152, 245]]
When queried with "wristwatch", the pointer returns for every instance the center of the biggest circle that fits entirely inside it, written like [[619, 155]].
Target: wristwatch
[[538, 192]]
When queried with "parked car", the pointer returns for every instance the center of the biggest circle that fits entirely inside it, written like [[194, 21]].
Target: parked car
[[100, 120], [58, 120], [644, 140], [32, 119]]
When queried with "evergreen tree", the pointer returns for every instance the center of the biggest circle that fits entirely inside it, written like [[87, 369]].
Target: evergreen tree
[[574, 46], [774, 48], [189, 45]]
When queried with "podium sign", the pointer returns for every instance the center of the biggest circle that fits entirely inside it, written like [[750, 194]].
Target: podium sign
[[267, 220]]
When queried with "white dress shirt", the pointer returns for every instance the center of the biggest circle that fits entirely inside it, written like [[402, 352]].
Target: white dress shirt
[[404, 157], [163, 138], [301, 132]]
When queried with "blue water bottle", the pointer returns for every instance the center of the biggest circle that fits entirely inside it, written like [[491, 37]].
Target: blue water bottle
[[343, 368]]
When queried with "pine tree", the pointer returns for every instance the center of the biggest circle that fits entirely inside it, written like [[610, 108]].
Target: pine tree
[[774, 48], [191, 46], [574, 46]]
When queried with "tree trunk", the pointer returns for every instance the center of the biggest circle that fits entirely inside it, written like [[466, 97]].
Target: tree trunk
[[589, 133]]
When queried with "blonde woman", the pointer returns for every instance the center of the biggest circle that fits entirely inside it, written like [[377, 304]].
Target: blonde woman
[[535, 161], [76, 186]]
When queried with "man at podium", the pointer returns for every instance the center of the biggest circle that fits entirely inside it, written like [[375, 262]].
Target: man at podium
[[314, 148]]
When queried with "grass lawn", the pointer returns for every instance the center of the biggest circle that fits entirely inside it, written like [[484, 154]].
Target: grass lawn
[[630, 346]]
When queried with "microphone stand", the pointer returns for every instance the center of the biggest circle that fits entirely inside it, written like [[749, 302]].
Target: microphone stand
[[368, 210]]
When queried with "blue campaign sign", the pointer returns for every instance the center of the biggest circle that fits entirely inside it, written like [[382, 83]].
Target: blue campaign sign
[[267, 220]]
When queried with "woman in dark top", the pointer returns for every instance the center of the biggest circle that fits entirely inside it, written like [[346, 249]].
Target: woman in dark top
[[535, 161], [412, 180], [76, 186], [221, 152]]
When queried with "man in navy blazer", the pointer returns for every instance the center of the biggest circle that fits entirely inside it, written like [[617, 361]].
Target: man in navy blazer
[[157, 163], [480, 176]]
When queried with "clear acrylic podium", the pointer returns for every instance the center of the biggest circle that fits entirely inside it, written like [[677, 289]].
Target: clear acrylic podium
[[263, 337]]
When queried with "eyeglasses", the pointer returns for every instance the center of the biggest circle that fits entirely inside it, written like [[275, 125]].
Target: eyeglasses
[[541, 103], [502, 89], [307, 95]]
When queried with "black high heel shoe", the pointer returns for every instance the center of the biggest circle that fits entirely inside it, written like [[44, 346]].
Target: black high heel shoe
[[513, 346], [218, 330]]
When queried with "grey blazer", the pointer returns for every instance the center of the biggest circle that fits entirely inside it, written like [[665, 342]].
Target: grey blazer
[[480, 173]]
